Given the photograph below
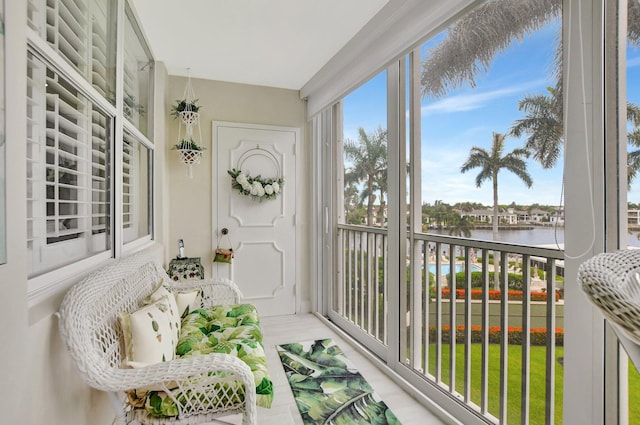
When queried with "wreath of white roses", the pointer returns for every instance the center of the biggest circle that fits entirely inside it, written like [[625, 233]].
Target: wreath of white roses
[[255, 187]]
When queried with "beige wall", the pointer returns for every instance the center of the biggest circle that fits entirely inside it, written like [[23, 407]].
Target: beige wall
[[40, 382], [13, 281], [191, 204]]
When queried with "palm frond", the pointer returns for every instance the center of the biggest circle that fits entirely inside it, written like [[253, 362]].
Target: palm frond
[[473, 41], [633, 23]]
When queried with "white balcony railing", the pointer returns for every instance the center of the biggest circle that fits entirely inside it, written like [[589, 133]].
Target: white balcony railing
[[453, 324]]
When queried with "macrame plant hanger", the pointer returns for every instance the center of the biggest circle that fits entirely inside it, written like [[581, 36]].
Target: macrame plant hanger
[[189, 147]]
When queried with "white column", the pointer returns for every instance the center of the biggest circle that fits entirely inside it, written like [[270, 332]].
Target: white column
[[584, 200]]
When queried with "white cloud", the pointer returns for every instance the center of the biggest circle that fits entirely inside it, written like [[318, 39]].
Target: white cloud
[[468, 102], [633, 62]]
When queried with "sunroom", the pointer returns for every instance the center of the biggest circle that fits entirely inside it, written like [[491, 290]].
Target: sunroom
[[393, 230]]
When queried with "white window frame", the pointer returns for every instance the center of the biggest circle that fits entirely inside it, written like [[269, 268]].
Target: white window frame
[[43, 285], [586, 385]]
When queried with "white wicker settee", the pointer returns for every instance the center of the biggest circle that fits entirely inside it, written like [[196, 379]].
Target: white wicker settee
[[90, 328]]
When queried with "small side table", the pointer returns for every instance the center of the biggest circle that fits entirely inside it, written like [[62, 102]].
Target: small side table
[[185, 268]]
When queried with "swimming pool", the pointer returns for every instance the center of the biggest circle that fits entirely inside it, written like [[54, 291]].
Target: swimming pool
[[446, 267]]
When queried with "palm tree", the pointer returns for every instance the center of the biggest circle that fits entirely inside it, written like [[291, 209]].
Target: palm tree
[[471, 45], [460, 225], [633, 139], [543, 124], [473, 41], [369, 161], [490, 164], [382, 186], [351, 203]]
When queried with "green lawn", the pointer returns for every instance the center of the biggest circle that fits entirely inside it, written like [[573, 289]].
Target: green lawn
[[536, 383], [634, 395], [537, 380]]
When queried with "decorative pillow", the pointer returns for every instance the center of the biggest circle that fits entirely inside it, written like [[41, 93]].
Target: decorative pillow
[[174, 309], [186, 302], [148, 334]]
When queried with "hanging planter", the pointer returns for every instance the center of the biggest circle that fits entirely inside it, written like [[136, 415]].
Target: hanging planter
[[189, 117], [190, 154], [187, 110]]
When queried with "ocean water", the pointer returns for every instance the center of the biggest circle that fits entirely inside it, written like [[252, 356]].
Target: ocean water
[[538, 236]]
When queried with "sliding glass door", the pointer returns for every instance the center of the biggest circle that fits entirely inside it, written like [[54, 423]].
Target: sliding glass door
[[359, 294]]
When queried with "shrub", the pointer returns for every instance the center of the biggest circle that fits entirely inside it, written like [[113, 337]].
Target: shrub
[[496, 295], [537, 336], [514, 280]]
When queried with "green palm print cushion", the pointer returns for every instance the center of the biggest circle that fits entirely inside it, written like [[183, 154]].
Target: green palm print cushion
[[230, 329]]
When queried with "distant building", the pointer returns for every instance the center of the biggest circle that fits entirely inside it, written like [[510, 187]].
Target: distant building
[[486, 216], [538, 216], [523, 216]]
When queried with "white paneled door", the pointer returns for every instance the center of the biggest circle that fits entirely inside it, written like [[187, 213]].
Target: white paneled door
[[261, 231]]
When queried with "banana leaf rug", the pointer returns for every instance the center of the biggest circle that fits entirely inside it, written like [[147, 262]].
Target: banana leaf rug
[[328, 389]]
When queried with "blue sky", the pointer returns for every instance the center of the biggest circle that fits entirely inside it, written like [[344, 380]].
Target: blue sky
[[467, 117]]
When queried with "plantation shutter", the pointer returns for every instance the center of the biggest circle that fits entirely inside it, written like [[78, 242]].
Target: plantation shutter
[[83, 33], [130, 176], [69, 137], [138, 64], [67, 170]]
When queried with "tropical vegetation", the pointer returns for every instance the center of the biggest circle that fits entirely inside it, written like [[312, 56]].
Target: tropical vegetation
[[471, 45], [468, 50], [368, 157], [490, 164]]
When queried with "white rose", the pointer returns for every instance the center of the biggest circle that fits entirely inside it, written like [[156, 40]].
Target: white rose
[[246, 187], [268, 189], [255, 188], [276, 187], [242, 179], [261, 191]]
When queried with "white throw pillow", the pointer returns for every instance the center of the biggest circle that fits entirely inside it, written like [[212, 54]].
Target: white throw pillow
[[148, 334], [186, 302], [175, 311]]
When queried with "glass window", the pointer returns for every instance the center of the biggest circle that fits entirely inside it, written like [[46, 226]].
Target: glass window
[[360, 295], [83, 33], [136, 193], [633, 160], [365, 154], [492, 155], [68, 171], [495, 107], [138, 65]]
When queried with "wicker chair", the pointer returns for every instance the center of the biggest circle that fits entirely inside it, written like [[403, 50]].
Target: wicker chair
[[91, 331], [611, 281]]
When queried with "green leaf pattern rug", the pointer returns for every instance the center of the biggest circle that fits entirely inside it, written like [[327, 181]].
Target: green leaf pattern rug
[[328, 389]]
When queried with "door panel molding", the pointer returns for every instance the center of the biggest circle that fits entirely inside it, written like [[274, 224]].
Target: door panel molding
[[264, 235]]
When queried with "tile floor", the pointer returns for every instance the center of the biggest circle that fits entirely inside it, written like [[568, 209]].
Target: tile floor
[[304, 327]]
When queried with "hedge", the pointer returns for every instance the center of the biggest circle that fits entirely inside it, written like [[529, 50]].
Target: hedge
[[514, 280], [496, 295], [537, 336]]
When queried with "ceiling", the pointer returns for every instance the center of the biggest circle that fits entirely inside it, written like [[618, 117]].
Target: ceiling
[[275, 43]]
